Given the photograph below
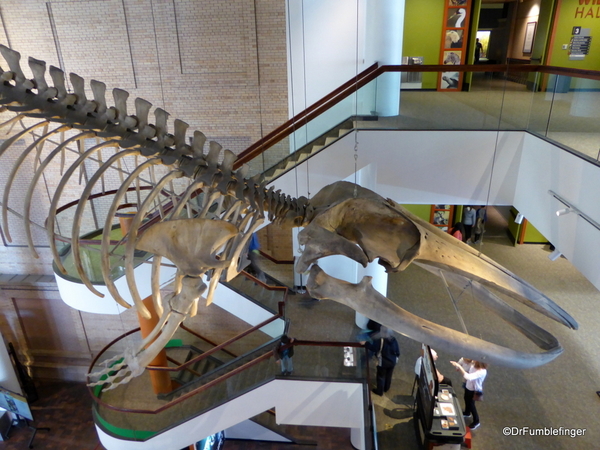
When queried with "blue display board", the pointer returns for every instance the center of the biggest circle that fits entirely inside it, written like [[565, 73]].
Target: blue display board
[[213, 442], [15, 403]]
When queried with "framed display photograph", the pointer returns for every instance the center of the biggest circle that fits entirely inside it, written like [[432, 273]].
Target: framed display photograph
[[450, 80], [452, 57], [456, 17], [454, 39], [529, 35], [441, 217]]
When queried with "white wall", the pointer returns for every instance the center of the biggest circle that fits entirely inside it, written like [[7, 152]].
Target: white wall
[[252, 430], [322, 47], [78, 296], [545, 167], [330, 41], [472, 167]]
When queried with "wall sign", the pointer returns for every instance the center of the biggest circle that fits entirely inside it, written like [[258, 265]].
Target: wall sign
[[529, 35], [579, 47]]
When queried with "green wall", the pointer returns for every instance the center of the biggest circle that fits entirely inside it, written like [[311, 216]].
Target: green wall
[[421, 211], [563, 26], [423, 23], [532, 235]]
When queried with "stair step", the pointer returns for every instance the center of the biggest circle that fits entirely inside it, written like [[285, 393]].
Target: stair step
[[344, 131]]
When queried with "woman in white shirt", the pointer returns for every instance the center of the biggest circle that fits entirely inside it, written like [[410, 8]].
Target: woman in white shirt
[[474, 375]]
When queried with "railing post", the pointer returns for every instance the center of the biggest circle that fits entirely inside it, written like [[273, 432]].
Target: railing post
[[161, 380]]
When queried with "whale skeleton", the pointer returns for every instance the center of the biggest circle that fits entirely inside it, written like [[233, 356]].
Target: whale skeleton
[[203, 223]]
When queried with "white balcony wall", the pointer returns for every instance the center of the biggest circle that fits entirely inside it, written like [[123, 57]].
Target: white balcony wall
[[472, 167]]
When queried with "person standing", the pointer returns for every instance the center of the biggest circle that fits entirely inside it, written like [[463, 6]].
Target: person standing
[[479, 228], [474, 374], [253, 256], [478, 50], [387, 351], [468, 220], [283, 354]]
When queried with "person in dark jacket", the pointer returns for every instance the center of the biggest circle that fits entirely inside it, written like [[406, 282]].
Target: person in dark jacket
[[283, 354], [387, 351]]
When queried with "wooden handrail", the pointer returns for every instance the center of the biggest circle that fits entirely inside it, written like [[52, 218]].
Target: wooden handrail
[[100, 194], [305, 116], [276, 261], [215, 349], [281, 304], [199, 336], [372, 73], [188, 394]]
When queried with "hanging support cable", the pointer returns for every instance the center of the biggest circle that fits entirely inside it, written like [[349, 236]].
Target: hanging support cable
[[455, 301]]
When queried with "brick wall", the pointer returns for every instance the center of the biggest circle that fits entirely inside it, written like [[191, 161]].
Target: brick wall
[[219, 66]]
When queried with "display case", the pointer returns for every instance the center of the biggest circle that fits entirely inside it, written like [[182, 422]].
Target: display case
[[437, 415]]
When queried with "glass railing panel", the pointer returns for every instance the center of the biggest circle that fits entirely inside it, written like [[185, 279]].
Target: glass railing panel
[[228, 382], [269, 157], [203, 363], [314, 133], [255, 373], [361, 103], [574, 119], [541, 106], [513, 97], [91, 258], [186, 346], [267, 297], [480, 108]]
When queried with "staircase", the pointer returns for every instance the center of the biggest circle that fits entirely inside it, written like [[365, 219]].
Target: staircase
[[206, 370], [250, 387], [268, 297], [309, 150]]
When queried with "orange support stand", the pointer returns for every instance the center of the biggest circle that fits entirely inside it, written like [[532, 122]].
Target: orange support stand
[[467, 441], [161, 380], [125, 220]]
